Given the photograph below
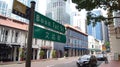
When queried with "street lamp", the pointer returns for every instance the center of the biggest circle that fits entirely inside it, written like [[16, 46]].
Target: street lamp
[[117, 32]]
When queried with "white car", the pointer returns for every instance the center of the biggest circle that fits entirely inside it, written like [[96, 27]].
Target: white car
[[83, 60], [100, 57]]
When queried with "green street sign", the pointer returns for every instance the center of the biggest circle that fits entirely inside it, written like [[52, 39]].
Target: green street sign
[[47, 22], [44, 34]]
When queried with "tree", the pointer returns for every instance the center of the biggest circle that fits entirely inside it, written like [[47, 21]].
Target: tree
[[107, 45], [89, 5]]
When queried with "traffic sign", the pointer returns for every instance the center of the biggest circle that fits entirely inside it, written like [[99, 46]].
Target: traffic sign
[[20, 9], [41, 33], [47, 22]]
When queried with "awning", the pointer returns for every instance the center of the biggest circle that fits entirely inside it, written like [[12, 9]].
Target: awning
[[79, 48], [67, 47], [97, 50]]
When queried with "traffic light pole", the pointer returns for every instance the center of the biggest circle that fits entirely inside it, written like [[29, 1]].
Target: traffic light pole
[[30, 36]]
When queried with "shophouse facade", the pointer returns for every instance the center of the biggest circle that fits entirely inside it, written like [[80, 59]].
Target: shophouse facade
[[13, 41], [77, 42]]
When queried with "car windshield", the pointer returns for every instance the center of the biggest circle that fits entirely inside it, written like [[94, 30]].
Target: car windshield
[[85, 57]]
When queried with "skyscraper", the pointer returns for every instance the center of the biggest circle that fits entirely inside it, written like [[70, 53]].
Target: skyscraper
[[78, 20], [57, 10], [100, 30]]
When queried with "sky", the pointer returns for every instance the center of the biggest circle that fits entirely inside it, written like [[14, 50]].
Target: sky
[[42, 7]]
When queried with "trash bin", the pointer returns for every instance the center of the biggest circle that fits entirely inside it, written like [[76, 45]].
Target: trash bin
[[116, 56]]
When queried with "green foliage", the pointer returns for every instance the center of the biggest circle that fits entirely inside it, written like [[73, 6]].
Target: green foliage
[[22, 55], [54, 54], [89, 5], [42, 53], [92, 4], [107, 43]]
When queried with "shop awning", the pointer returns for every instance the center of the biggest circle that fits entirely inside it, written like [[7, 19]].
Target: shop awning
[[67, 47], [97, 50], [79, 48]]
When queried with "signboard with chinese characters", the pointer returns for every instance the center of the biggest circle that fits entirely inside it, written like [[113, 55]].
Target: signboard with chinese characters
[[20, 9], [44, 34], [47, 22]]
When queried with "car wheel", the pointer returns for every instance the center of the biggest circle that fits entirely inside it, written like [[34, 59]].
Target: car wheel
[[78, 65]]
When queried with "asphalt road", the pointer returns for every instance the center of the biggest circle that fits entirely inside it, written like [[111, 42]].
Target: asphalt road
[[62, 62], [71, 64]]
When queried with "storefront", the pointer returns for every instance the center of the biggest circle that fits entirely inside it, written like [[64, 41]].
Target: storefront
[[46, 50], [5, 52], [9, 52]]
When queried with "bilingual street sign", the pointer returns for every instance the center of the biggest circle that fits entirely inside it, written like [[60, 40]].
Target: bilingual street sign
[[44, 34], [47, 22], [20, 9]]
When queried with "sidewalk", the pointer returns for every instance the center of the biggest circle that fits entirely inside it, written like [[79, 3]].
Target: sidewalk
[[111, 63]]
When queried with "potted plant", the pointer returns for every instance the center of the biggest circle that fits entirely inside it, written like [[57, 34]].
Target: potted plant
[[42, 53], [22, 55], [54, 54]]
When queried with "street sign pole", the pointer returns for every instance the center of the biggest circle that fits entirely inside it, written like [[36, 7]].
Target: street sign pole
[[30, 36]]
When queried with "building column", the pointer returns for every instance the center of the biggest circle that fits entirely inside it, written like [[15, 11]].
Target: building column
[[33, 54], [47, 54], [38, 56], [14, 54], [51, 53]]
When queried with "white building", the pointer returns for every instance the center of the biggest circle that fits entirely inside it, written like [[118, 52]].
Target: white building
[[94, 45]]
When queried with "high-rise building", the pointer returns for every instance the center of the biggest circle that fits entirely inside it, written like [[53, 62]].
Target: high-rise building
[[57, 10], [3, 8], [100, 30], [78, 21], [99, 34]]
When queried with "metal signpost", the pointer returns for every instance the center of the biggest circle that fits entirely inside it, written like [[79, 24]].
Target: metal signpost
[[30, 33], [22, 10]]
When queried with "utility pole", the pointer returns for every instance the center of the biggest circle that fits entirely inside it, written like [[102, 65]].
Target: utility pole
[[30, 36]]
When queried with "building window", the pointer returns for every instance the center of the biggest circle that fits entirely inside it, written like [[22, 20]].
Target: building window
[[35, 41], [92, 46], [6, 35], [16, 37]]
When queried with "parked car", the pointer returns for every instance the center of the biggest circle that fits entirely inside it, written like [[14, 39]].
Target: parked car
[[100, 57], [85, 60]]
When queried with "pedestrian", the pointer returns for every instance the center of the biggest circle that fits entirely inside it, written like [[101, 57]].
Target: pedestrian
[[93, 61], [105, 58]]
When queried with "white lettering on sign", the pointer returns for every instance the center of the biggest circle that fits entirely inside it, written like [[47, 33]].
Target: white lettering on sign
[[47, 35], [37, 18]]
